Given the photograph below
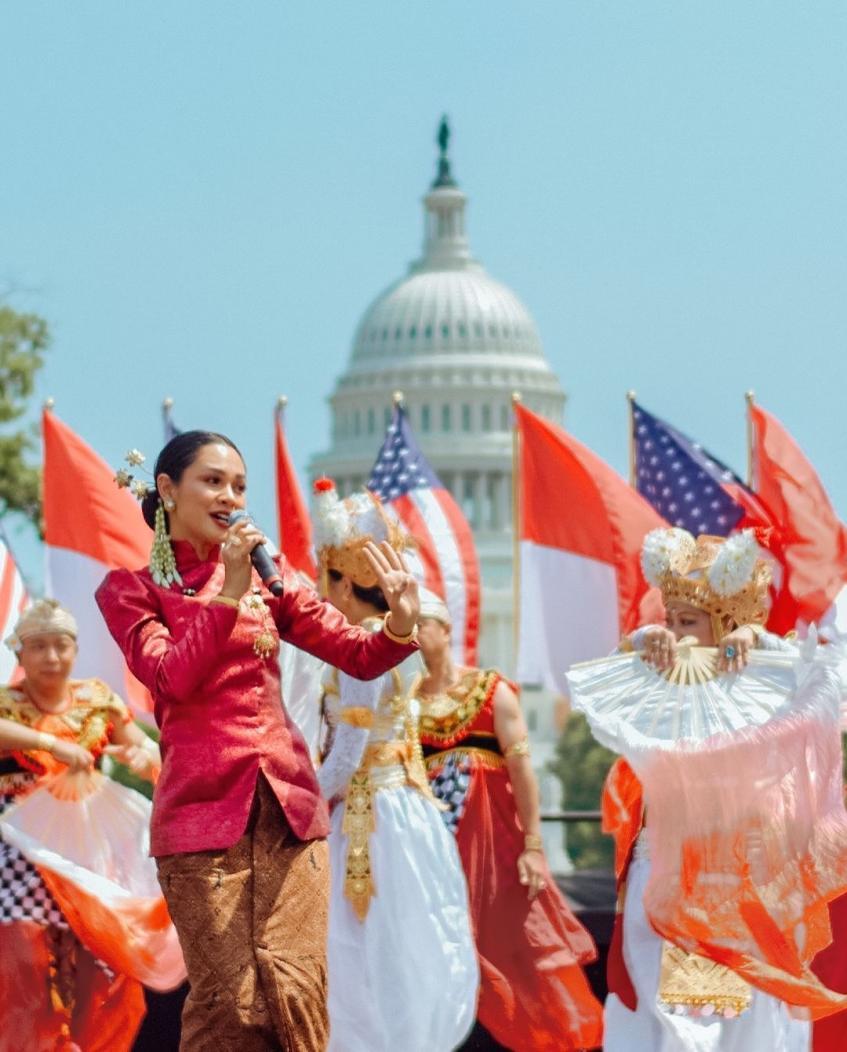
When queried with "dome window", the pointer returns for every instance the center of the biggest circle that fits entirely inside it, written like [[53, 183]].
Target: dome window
[[426, 419], [504, 418], [492, 330], [445, 330], [463, 329], [387, 416], [466, 417], [428, 332], [446, 418], [385, 334], [478, 330], [371, 421], [486, 418], [398, 333], [357, 422], [413, 332]]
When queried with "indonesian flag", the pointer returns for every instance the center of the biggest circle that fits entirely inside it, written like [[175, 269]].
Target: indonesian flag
[[580, 533], [813, 541], [445, 560], [90, 527], [295, 527], [13, 599]]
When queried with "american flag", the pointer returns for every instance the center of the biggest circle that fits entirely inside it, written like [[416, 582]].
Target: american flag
[[686, 485], [445, 559], [13, 598]]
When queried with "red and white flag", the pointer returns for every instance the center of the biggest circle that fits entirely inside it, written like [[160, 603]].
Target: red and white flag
[[13, 599], [90, 527], [812, 539], [580, 534], [445, 560], [295, 526]]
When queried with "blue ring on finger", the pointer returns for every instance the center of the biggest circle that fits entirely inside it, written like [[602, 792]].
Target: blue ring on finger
[[730, 651]]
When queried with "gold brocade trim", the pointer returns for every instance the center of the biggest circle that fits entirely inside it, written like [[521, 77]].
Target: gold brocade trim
[[357, 716], [482, 756], [447, 715], [94, 708], [700, 985], [360, 817], [358, 823]]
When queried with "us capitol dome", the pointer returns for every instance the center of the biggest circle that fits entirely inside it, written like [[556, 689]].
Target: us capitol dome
[[457, 343]]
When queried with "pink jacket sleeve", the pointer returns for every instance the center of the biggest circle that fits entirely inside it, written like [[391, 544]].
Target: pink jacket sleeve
[[311, 624], [169, 668]]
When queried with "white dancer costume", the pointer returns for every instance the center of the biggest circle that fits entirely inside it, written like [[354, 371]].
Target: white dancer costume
[[403, 970]]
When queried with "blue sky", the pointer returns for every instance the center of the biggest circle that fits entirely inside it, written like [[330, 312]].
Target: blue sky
[[202, 198]]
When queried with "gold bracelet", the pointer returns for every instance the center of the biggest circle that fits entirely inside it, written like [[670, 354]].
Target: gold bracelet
[[533, 842], [518, 748], [403, 640], [45, 742], [226, 601]]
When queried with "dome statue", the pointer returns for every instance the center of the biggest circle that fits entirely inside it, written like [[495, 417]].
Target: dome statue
[[457, 343]]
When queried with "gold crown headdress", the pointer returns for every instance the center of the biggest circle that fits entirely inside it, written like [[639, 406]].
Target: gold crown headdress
[[342, 528], [726, 577], [43, 617]]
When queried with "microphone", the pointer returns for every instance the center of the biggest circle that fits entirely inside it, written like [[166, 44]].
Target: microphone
[[260, 558]]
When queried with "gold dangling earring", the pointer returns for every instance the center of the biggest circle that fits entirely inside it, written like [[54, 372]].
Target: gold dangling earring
[[162, 560]]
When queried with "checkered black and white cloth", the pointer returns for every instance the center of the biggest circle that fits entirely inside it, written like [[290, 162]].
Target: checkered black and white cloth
[[450, 786], [23, 894]]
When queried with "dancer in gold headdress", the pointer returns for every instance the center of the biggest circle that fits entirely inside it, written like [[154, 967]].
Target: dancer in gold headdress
[[402, 965], [726, 807]]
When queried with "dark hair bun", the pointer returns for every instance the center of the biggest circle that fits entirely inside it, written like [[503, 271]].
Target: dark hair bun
[[149, 505]]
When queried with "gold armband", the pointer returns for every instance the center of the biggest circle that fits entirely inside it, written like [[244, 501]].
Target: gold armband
[[403, 640], [518, 748], [357, 716], [45, 742], [533, 842], [226, 601]]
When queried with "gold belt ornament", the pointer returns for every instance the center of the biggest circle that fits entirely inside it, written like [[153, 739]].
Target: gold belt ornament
[[697, 986]]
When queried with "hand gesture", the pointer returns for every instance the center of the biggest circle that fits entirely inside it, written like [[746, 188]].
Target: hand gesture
[[660, 647], [398, 586], [76, 758], [532, 872], [734, 649], [138, 759], [240, 541]]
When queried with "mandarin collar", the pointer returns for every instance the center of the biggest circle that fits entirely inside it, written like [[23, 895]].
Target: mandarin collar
[[187, 558]]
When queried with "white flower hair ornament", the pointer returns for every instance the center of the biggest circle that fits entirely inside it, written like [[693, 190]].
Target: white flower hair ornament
[[734, 564], [666, 550], [330, 518]]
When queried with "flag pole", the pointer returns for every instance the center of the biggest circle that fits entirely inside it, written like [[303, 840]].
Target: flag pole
[[167, 423], [281, 403], [516, 529], [749, 398], [630, 398]]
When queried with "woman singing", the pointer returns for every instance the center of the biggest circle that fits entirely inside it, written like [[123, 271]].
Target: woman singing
[[238, 821]]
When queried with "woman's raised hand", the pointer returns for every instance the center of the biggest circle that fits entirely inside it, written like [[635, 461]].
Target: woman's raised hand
[[660, 647], [398, 586], [240, 541]]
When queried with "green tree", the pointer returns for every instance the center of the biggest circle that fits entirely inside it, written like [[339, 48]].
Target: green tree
[[23, 340], [582, 765]]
